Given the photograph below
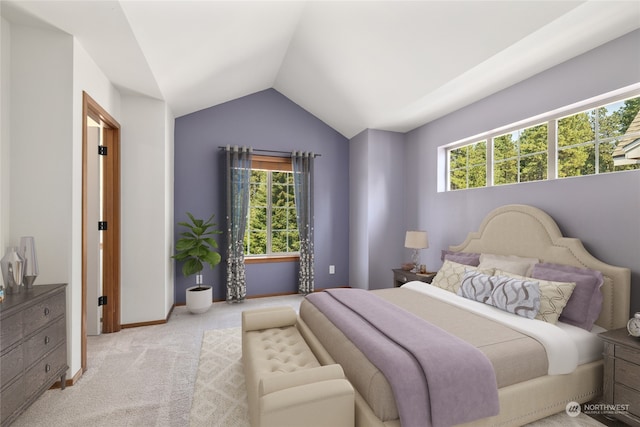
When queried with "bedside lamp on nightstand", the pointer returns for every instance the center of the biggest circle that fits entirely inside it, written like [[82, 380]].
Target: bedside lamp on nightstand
[[416, 240]]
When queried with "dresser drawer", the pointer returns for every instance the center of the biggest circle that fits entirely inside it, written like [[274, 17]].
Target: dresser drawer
[[625, 396], [11, 399], [44, 341], [11, 330], [628, 354], [11, 364], [43, 312], [46, 369]]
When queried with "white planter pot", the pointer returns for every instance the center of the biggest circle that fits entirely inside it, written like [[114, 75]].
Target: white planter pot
[[199, 301]]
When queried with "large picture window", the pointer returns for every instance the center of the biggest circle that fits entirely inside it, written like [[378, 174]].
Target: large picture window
[[272, 228], [600, 139]]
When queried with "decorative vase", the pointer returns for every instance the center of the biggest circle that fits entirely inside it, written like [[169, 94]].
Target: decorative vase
[[28, 251], [199, 297], [12, 265]]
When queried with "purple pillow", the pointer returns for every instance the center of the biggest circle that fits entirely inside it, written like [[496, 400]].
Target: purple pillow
[[466, 258], [583, 308]]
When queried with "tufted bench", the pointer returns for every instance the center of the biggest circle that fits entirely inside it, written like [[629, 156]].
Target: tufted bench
[[286, 385]]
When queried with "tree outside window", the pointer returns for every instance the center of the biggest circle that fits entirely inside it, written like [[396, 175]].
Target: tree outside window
[[272, 227], [585, 144]]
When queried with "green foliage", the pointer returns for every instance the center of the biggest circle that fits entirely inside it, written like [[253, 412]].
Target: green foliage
[[279, 216], [197, 247], [586, 141]]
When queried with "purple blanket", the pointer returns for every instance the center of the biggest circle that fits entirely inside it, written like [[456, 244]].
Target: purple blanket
[[437, 379]]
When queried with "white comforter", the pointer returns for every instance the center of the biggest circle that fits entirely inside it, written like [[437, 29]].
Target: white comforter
[[566, 345]]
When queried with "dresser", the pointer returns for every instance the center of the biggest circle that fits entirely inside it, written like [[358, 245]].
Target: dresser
[[33, 347], [400, 277], [621, 382]]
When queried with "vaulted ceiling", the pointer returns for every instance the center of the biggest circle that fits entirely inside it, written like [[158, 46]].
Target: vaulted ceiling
[[391, 65]]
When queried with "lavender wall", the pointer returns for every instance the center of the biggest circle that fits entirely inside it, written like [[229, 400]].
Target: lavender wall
[[601, 210], [264, 120]]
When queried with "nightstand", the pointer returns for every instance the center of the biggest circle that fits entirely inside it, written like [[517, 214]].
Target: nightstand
[[400, 277], [622, 373]]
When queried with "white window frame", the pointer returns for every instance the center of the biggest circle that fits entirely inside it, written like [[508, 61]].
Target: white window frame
[[551, 118]]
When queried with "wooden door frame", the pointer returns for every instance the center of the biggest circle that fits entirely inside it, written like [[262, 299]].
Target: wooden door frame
[[111, 276]]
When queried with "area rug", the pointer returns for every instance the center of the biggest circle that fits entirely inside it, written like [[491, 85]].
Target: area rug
[[220, 398]]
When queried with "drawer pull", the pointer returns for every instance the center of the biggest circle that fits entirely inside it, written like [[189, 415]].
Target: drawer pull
[[47, 367], [404, 279], [47, 339], [46, 311]]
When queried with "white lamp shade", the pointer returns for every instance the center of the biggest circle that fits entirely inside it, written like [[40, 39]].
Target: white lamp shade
[[416, 240]]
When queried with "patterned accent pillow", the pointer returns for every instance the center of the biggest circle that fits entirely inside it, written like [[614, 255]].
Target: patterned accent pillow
[[477, 286], [553, 296], [521, 297], [450, 275]]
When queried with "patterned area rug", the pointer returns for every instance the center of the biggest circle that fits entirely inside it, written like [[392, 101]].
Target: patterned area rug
[[220, 397]]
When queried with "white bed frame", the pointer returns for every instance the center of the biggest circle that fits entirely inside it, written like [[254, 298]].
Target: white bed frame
[[529, 232]]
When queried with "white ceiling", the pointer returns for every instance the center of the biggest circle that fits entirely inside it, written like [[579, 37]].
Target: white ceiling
[[391, 65]]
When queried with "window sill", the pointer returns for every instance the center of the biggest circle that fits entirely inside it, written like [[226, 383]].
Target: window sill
[[273, 258]]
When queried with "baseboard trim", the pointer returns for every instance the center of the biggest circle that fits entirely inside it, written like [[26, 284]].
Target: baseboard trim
[[151, 322]]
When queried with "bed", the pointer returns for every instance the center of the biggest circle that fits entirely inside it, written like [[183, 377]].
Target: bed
[[533, 380]]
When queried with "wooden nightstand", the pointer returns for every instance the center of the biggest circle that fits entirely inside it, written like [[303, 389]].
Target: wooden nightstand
[[400, 277], [622, 374]]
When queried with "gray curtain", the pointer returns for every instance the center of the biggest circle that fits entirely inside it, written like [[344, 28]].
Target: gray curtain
[[303, 186], [238, 173]]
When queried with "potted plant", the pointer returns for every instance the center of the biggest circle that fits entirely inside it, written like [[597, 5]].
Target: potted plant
[[196, 248]]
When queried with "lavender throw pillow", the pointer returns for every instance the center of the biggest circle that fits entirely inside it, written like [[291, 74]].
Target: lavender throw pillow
[[585, 304], [466, 258]]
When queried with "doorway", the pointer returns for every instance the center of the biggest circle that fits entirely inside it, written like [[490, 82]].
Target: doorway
[[100, 222]]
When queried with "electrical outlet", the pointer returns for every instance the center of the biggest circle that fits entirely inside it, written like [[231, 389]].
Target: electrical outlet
[[332, 269]]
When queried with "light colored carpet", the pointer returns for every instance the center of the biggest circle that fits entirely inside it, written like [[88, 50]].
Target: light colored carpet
[[220, 398], [142, 377]]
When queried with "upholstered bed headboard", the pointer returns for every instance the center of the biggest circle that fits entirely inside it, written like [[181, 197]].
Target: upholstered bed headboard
[[527, 231]]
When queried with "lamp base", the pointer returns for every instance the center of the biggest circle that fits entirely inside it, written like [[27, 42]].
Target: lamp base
[[415, 259]]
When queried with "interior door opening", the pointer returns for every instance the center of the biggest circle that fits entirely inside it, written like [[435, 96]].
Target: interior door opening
[[100, 223]]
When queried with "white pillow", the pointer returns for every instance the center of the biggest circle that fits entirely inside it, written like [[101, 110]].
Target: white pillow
[[510, 263]]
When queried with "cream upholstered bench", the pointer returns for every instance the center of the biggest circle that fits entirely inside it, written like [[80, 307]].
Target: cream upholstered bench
[[286, 385]]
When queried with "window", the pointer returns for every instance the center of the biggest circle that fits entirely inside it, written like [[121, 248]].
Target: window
[[272, 228], [602, 138], [468, 166], [587, 140], [520, 156]]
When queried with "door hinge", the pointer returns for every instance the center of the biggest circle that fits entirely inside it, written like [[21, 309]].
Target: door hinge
[[102, 300], [102, 150], [102, 225]]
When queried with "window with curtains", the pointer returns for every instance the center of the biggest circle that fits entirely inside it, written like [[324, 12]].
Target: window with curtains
[[272, 230]]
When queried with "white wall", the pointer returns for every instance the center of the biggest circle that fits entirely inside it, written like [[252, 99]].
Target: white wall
[[5, 130], [45, 72], [168, 208], [146, 213]]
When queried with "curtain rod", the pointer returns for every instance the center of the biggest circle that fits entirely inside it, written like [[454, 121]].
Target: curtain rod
[[221, 147]]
